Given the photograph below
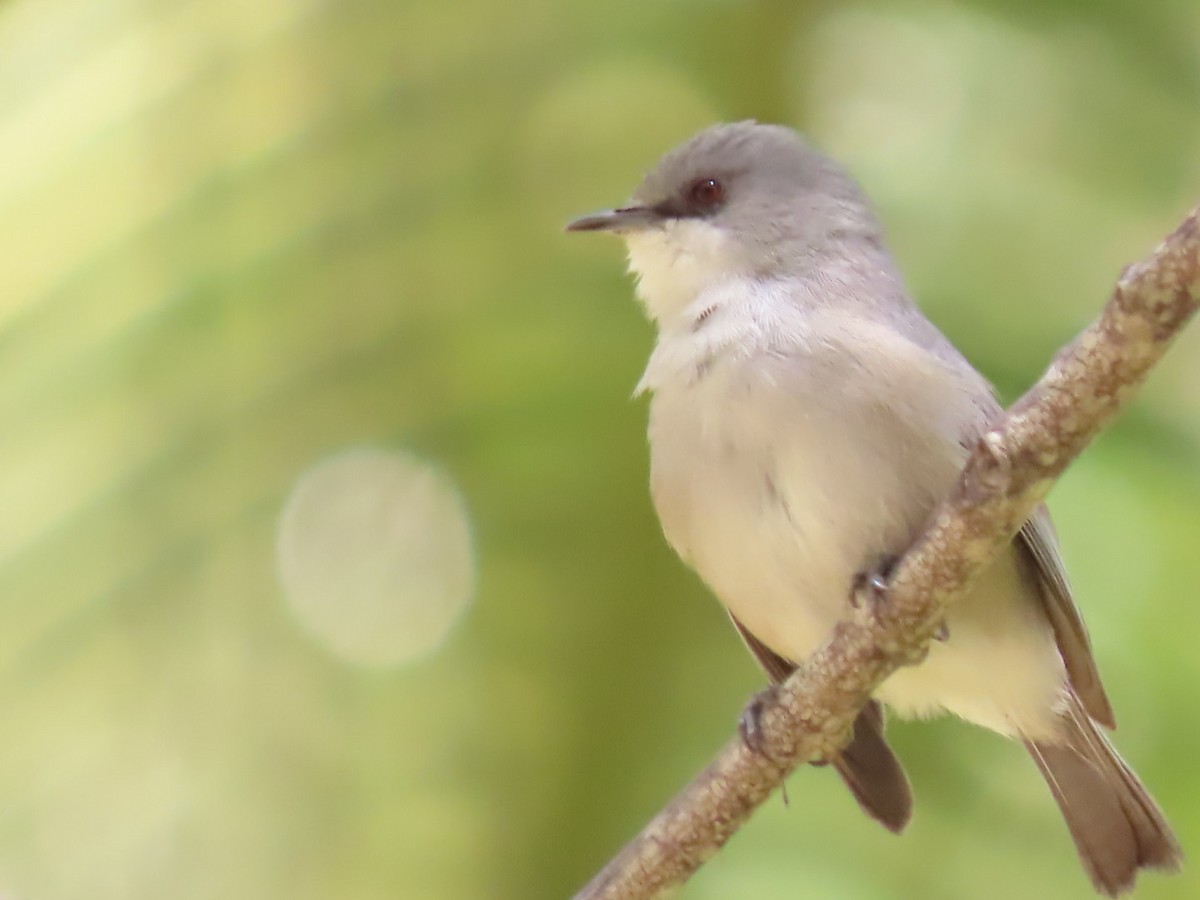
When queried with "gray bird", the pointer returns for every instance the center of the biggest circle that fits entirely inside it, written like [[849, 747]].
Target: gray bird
[[805, 419]]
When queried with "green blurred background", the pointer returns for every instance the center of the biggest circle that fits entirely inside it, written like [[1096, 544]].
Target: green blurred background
[[240, 239]]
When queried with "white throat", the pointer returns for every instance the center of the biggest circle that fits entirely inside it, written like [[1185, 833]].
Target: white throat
[[738, 316], [674, 264]]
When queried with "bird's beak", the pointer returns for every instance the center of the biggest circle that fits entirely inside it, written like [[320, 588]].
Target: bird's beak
[[629, 218]]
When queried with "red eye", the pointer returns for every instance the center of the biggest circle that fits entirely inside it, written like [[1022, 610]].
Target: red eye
[[706, 193]]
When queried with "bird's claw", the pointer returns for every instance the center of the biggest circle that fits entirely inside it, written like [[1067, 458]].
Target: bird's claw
[[870, 586], [750, 725]]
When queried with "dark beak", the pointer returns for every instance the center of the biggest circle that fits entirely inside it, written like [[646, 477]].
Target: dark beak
[[629, 218]]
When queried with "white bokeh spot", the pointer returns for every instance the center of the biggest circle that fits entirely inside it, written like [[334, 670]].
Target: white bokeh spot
[[374, 553]]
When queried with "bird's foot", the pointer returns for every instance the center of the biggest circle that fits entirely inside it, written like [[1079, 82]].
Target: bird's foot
[[869, 596], [870, 586], [750, 725]]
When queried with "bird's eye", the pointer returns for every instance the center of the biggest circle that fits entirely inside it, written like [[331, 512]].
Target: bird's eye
[[706, 194]]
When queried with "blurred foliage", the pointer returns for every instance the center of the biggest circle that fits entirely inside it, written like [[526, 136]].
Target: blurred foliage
[[242, 237]]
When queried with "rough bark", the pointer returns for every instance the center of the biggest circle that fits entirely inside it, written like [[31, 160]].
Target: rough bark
[[1009, 472]]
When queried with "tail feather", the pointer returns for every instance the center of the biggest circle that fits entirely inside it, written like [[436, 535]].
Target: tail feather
[[867, 763], [873, 773], [1116, 825]]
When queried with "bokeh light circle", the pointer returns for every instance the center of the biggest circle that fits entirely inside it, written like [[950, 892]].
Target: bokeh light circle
[[374, 554]]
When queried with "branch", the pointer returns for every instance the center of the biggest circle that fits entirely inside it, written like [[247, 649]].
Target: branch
[[1009, 472]]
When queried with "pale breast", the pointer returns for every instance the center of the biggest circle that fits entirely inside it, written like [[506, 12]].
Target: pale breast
[[777, 496], [778, 486]]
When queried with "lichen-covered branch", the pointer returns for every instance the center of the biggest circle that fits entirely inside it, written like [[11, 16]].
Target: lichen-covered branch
[[1008, 473]]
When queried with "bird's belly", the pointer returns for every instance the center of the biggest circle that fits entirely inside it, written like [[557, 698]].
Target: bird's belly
[[788, 586], [778, 510], [779, 513], [999, 666]]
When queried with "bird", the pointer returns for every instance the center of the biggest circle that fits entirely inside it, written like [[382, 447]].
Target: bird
[[805, 417]]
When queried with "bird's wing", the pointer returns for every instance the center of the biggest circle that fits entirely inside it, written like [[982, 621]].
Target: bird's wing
[[776, 667], [1040, 545]]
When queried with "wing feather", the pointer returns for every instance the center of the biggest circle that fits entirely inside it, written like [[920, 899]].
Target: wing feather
[[1037, 539]]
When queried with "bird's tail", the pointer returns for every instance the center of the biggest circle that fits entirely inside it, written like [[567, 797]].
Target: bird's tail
[[873, 773], [1115, 823]]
